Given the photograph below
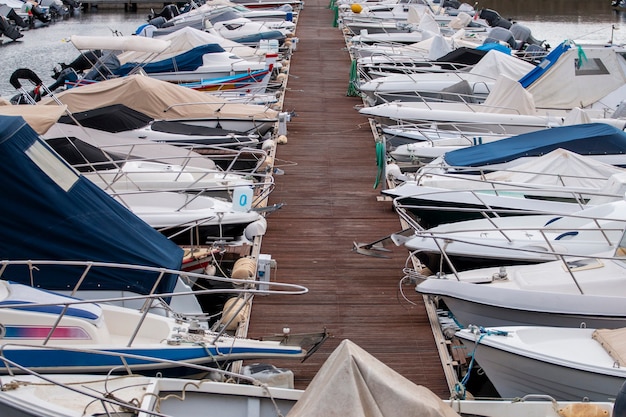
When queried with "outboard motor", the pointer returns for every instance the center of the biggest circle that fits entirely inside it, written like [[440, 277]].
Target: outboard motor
[[166, 12], [498, 34], [619, 408], [494, 19], [522, 34], [158, 22], [452, 4]]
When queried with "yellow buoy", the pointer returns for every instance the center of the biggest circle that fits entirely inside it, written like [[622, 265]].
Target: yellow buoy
[[281, 139], [235, 311], [356, 8], [244, 268]]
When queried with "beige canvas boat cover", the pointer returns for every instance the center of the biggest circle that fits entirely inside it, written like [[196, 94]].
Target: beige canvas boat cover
[[353, 383], [614, 342], [185, 39], [158, 99], [40, 118], [565, 86]]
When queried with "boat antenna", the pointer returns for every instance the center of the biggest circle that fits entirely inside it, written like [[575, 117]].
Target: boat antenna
[[613, 29]]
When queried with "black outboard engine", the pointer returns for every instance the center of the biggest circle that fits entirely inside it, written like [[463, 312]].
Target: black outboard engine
[[166, 12], [494, 19], [500, 34], [8, 29], [619, 408], [452, 4], [158, 22]]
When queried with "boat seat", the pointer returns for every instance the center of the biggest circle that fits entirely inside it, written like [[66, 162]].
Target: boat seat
[[40, 301]]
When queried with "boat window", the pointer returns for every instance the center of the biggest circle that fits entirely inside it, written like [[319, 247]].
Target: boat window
[[228, 15], [592, 66], [48, 161]]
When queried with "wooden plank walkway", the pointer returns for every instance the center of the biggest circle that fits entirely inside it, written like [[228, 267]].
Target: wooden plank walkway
[[330, 201]]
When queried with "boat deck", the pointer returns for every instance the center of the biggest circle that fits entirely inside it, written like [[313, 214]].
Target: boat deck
[[329, 165]]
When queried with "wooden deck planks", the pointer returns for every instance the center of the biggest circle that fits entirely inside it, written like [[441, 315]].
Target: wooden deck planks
[[330, 201]]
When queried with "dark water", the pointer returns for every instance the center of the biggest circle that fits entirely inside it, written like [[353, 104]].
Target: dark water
[[42, 48], [557, 20], [554, 21]]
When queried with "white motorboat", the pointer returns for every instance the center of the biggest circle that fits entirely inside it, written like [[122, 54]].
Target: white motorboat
[[520, 239], [184, 59], [230, 22], [472, 86], [47, 332], [572, 292], [536, 102], [573, 364], [560, 182], [189, 219], [161, 100]]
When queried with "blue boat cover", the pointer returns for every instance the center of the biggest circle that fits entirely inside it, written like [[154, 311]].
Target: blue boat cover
[[584, 139], [494, 45], [187, 61], [50, 212], [544, 65]]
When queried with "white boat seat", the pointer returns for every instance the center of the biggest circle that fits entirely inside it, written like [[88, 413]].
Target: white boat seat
[[40, 301]]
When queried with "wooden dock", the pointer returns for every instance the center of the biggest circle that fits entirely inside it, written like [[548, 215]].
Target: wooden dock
[[329, 165]]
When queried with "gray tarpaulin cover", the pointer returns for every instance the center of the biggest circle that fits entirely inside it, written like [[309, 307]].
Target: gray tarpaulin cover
[[353, 383]]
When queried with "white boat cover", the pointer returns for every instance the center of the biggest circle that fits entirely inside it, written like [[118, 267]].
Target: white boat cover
[[508, 95], [416, 14], [565, 87], [185, 39], [496, 63], [559, 168], [614, 342], [353, 383], [426, 22], [576, 116], [160, 100], [40, 118], [119, 43]]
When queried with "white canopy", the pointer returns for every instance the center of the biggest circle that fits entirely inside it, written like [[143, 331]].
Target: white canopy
[[185, 39], [508, 95], [496, 63], [119, 43]]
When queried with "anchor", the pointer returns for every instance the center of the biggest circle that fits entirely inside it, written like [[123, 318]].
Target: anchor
[[376, 247]]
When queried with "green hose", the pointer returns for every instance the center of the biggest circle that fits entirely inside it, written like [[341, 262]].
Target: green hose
[[353, 91], [380, 162]]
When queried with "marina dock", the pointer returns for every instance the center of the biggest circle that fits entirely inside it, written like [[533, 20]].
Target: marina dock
[[330, 202]]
